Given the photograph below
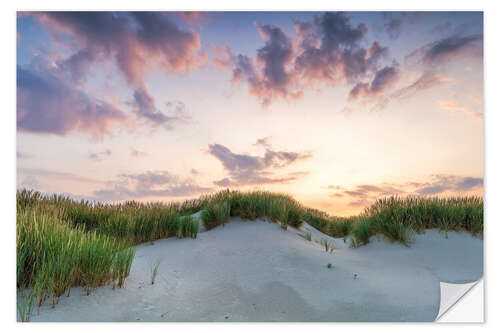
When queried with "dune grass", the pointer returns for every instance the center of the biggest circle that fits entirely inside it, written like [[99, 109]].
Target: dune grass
[[327, 244], [217, 208], [53, 256], [155, 265], [63, 243], [400, 218], [307, 235]]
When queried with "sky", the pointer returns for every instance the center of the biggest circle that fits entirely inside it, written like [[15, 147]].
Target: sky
[[336, 109]]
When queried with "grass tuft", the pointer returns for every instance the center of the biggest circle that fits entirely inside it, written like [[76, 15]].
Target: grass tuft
[[306, 235], [154, 270], [328, 245]]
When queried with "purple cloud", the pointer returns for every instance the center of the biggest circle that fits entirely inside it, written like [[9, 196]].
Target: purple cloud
[[274, 80], [251, 170], [365, 194], [134, 41], [450, 47], [97, 157], [446, 49], [149, 184], [384, 78], [47, 104], [327, 51]]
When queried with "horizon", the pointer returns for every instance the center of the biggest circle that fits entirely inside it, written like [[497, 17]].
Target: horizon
[[335, 109]]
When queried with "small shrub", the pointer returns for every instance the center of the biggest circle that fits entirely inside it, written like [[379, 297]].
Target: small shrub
[[329, 266]]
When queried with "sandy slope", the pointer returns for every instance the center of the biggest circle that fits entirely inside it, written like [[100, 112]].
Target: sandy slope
[[254, 271]]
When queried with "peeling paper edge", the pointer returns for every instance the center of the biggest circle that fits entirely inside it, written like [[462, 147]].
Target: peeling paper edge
[[451, 293]]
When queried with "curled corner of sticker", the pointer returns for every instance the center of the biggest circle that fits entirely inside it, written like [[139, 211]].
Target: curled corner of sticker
[[451, 293]]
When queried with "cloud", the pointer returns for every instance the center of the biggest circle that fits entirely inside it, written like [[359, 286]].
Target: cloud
[[264, 142], [393, 23], [135, 41], [450, 47], [47, 104], [468, 183], [145, 108], [366, 194], [149, 184], [194, 17], [128, 186], [454, 106], [222, 56], [50, 176], [384, 78], [327, 50], [330, 50], [273, 79], [442, 183], [97, 157], [252, 170], [447, 49], [426, 80]]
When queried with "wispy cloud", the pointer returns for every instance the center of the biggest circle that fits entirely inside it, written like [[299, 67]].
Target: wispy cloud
[[384, 78], [264, 142], [447, 49], [393, 23], [99, 156], [149, 184], [454, 106], [425, 81], [42, 179], [366, 194], [247, 169]]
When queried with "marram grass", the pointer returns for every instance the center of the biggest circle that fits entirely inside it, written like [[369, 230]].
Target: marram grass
[[63, 243]]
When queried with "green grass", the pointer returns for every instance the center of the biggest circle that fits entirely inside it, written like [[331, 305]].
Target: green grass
[[63, 243], [306, 235], [399, 218], [328, 245], [26, 305], [361, 230], [217, 208], [155, 265], [53, 256]]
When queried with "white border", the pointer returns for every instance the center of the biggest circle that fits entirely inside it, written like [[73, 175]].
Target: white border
[[8, 134]]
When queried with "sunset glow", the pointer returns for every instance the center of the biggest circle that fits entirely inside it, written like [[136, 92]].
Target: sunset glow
[[335, 109]]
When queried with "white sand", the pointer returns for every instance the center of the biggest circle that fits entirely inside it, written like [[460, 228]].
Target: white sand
[[255, 271]]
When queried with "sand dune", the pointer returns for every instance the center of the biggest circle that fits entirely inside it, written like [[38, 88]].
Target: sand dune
[[255, 271]]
